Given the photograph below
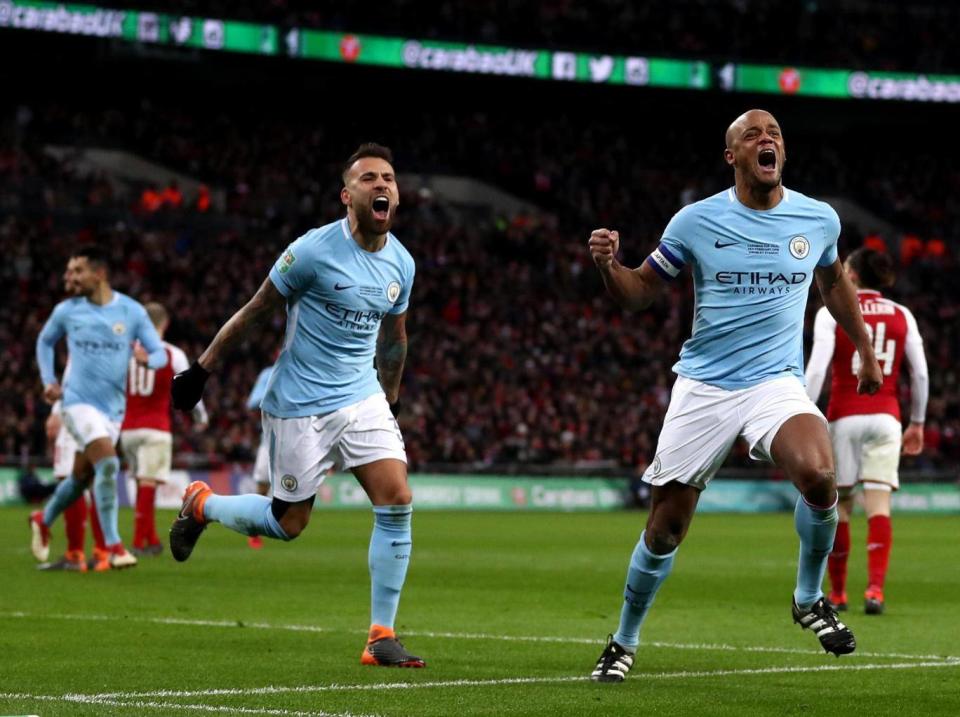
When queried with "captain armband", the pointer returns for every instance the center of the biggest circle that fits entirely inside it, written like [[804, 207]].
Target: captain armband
[[665, 262]]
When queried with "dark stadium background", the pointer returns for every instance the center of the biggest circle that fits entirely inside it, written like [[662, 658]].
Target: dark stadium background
[[517, 360]]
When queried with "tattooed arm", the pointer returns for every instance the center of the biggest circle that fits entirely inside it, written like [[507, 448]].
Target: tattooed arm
[[391, 353], [261, 307]]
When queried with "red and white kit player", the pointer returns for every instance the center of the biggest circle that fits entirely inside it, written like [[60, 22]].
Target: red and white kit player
[[145, 436], [865, 429]]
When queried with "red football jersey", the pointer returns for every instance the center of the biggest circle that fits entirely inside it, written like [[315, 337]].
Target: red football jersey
[[889, 326], [148, 392]]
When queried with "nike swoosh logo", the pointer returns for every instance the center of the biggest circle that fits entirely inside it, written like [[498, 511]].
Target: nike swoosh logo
[[718, 245], [341, 288]]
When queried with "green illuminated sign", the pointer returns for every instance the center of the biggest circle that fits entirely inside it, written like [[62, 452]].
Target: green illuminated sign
[[400, 53], [203, 33], [492, 60], [845, 84]]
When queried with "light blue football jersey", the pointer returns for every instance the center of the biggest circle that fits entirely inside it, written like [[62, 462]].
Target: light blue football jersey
[[259, 389], [100, 343], [752, 272], [337, 294]]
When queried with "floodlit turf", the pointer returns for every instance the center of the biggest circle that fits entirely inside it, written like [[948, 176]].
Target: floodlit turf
[[509, 610]]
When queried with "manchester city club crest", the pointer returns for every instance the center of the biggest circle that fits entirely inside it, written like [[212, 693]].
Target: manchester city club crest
[[289, 483], [799, 247], [393, 291], [119, 328]]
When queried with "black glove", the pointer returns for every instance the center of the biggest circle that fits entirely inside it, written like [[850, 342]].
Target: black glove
[[187, 387]]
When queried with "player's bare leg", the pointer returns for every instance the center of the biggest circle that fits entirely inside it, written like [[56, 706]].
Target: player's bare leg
[[876, 502], [385, 482], [802, 449], [671, 510]]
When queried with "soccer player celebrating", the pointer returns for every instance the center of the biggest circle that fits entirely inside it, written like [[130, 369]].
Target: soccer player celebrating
[[64, 450], [101, 326], [754, 250], [145, 435], [866, 429], [346, 287]]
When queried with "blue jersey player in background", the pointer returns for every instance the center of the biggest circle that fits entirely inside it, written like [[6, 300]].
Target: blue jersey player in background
[[754, 250], [346, 287], [103, 328], [261, 468]]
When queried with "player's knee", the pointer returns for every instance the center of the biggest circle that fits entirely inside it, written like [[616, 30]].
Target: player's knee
[[292, 517], [294, 524], [400, 495], [818, 485], [665, 538]]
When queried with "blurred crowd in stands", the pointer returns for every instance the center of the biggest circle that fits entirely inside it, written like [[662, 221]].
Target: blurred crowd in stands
[[516, 356], [858, 34]]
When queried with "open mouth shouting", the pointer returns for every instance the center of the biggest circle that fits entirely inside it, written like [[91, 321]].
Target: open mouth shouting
[[767, 161], [381, 207]]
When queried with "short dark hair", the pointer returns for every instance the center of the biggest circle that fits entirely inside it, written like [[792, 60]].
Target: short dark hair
[[367, 149], [95, 255], [875, 268]]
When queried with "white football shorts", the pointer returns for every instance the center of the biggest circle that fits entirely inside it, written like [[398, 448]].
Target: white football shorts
[[88, 424], [703, 421], [867, 448], [64, 452], [302, 450], [149, 453]]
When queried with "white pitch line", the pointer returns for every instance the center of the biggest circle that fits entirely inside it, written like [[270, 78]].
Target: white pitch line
[[716, 647], [168, 706], [364, 687]]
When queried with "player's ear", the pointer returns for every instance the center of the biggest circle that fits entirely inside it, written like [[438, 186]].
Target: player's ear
[[345, 197], [728, 156]]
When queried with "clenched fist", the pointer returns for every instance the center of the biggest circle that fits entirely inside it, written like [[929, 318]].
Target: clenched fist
[[604, 245]]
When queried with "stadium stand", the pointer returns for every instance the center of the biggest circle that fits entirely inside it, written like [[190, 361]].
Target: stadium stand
[[516, 356]]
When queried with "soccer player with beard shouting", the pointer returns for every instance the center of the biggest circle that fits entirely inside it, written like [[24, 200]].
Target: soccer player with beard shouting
[[346, 287]]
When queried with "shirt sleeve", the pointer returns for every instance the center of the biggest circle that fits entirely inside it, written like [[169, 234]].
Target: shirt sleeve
[[148, 336], [403, 300], [824, 341], [831, 230], [673, 252], [178, 360], [293, 271], [919, 376], [52, 331]]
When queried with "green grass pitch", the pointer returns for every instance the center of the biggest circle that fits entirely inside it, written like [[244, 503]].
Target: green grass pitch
[[509, 610]]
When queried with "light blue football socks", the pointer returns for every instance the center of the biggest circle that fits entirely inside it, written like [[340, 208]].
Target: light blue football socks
[[645, 575], [816, 528], [389, 557], [105, 495], [249, 514], [66, 492]]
